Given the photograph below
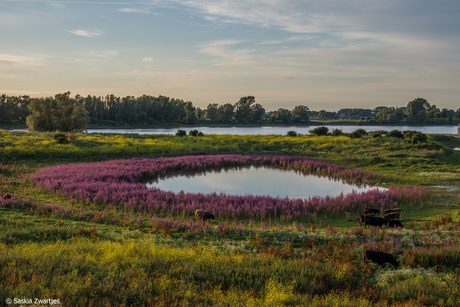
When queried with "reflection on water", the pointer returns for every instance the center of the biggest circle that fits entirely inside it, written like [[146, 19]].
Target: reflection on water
[[282, 130], [257, 181]]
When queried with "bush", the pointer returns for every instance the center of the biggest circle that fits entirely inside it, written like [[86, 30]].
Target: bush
[[337, 132], [415, 136], [193, 132], [320, 131], [181, 133], [60, 138], [396, 134], [200, 133], [361, 131], [292, 133], [378, 133]]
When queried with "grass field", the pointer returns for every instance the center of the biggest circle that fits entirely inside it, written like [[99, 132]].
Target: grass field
[[90, 251]]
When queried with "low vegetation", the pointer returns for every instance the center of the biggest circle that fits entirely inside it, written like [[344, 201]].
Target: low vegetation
[[108, 248]]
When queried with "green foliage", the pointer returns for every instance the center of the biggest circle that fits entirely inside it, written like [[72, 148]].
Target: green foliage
[[60, 138], [181, 133], [396, 134], [291, 133], [193, 132], [319, 131], [337, 132], [61, 113]]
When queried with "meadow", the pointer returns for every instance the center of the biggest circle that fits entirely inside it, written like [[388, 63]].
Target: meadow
[[81, 227]]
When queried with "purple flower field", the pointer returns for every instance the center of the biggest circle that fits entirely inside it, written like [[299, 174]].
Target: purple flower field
[[119, 185]]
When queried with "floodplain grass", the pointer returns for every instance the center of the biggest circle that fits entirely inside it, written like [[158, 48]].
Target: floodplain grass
[[238, 262]]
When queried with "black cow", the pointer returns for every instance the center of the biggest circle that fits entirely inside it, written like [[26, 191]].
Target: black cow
[[371, 211], [380, 258], [392, 210], [7, 196], [373, 221], [394, 223], [203, 215], [393, 216], [361, 218]]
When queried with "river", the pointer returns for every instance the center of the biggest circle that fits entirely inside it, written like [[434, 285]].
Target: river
[[282, 130]]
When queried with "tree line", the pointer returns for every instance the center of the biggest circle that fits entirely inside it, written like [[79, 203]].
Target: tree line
[[64, 113]]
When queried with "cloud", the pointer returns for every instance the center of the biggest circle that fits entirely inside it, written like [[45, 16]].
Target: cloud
[[147, 59], [19, 61], [86, 33], [131, 10]]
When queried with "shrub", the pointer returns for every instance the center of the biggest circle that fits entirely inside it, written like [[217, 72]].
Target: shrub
[[200, 133], [60, 138], [337, 132], [378, 133], [292, 133], [181, 133], [193, 132], [415, 136], [320, 131], [396, 134]]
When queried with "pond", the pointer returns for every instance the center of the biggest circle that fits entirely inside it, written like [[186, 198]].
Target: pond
[[257, 181]]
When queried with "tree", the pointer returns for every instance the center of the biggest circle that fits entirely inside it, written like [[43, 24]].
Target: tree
[[283, 116], [256, 113], [225, 112], [417, 105], [61, 113], [43, 115], [190, 113], [211, 112], [300, 114]]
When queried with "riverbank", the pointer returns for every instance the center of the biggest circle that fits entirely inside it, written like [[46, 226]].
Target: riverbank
[[205, 123]]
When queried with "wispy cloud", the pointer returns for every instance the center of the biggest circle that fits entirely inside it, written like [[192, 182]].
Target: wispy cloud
[[18, 61], [147, 59], [131, 10], [86, 33]]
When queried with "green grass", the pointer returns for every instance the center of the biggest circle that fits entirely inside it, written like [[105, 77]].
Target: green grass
[[233, 262]]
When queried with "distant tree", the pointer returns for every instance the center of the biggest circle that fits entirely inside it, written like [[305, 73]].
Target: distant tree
[[291, 133], [211, 112], [190, 113], [283, 116], [243, 108], [256, 113], [300, 114], [61, 113], [199, 113], [225, 112], [337, 132], [416, 106]]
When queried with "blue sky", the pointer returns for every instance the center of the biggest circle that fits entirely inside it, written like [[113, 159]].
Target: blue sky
[[326, 54]]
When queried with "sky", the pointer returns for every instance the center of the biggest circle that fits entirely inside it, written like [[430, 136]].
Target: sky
[[325, 54]]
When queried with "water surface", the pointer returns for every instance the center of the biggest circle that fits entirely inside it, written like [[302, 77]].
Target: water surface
[[257, 181]]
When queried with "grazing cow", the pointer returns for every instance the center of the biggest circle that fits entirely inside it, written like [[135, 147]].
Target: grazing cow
[[394, 223], [393, 215], [371, 211], [381, 258], [361, 219], [392, 210], [373, 221], [7, 196], [203, 215]]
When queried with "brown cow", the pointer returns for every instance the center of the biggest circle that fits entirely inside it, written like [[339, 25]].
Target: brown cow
[[7, 196]]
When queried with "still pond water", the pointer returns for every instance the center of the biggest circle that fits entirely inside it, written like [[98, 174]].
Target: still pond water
[[257, 181]]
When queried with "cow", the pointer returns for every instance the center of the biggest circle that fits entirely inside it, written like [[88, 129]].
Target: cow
[[7, 196], [393, 216], [394, 223], [203, 215], [373, 221], [370, 211], [380, 258], [361, 219], [392, 210]]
